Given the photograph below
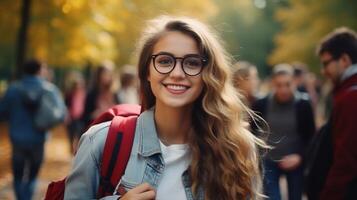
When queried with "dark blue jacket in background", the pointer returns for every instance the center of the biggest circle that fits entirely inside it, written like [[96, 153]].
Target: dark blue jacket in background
[[12, 109]]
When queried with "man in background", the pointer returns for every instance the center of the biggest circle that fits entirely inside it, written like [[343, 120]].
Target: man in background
[[290, 117], [338, 55], [18, 107]]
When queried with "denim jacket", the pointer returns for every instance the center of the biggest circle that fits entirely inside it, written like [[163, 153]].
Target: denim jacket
[[145, 163]]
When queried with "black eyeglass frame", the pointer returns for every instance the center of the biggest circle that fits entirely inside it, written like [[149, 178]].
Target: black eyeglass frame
[[203, 60]]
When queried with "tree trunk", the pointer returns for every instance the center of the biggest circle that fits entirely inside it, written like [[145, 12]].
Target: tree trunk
[[22, 37]]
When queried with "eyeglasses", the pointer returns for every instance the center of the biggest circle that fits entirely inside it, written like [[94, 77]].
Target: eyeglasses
[[191, 64], [327, 62]]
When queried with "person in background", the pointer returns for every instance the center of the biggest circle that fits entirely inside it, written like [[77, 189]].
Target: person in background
[[291, 120], [101, 96], [246, 80], [300, 71], [27, 141], [128, 92], [306, 82], [338, 55], [48, 74], [75, 99]]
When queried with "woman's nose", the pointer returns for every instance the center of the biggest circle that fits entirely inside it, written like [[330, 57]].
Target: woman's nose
[[177, 71]]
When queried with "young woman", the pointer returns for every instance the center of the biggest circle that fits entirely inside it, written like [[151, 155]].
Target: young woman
[[191, 141]]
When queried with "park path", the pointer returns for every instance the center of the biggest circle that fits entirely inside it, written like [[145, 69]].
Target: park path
[[56, 164]]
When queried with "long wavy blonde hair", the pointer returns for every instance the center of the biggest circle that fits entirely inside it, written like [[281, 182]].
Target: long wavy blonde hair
[[225, 160]]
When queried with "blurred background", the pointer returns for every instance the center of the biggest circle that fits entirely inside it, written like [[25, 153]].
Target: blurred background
[[79, 35]]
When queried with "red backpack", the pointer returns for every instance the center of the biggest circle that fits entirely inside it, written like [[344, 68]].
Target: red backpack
[[115, 154]]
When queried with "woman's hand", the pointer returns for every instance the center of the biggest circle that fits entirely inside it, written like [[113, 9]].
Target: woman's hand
[[290, 162], [141, 192]]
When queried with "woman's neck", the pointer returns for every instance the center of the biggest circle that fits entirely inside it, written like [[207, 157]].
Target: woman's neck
[[173, 124]]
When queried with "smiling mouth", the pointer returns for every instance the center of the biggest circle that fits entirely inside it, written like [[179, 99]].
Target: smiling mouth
[[176, 89]]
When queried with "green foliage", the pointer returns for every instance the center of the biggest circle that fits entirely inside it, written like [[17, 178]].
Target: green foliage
[[248, 30], [304, 23], [75, 33], [68, 33]]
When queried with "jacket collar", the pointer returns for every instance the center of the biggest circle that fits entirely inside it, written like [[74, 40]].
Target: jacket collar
[[350, 71], [348, 79], [149, 142]]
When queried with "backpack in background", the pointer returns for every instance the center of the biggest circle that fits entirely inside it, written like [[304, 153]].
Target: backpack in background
[[50, 110], [44, 104], [116, 151]]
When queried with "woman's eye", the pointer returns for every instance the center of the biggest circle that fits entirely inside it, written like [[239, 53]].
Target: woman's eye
[[164, 61], [193, 63]]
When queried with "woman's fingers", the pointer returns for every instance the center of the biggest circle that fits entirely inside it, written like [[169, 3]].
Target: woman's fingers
[[148, 195], [141, 192], [142, 188]]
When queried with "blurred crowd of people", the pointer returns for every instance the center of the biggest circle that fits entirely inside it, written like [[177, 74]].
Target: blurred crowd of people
[[81, 100], [311, 125], [86, 102]]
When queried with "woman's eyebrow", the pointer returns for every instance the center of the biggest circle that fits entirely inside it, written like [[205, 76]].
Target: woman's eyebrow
[[164, 52], [169, 53]]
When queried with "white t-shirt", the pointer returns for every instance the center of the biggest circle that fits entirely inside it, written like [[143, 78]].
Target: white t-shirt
[[177, 158]]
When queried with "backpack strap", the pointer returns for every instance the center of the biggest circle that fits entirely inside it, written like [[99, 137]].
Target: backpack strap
[[116, 153]]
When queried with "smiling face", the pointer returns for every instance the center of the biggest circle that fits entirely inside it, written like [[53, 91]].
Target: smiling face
[[175, 89]]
